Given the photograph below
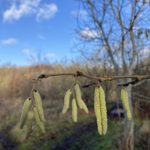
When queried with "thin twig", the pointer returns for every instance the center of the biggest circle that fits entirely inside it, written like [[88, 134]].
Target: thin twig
[[136, 78], [88, 85]]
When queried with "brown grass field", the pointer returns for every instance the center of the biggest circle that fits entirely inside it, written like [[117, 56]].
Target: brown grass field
[[15, 87]]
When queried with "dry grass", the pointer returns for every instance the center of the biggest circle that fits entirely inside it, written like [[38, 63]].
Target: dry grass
[[16, 84], [15, 87]]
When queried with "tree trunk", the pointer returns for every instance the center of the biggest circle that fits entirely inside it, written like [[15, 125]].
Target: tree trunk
[[128, 137]]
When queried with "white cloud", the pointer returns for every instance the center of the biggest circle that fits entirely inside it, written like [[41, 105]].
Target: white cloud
[[81, 14], [19, 9], [22, 8], [9, 41], [46, 12], [89, 34]]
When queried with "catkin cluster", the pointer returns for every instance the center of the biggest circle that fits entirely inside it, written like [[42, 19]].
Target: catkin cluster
[[125, 102], [31, 113], [76, 101], [100, 110]]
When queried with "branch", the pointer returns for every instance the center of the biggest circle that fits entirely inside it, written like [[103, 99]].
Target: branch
[[136, 78], [88, 85], [141, 97], [99, 23]]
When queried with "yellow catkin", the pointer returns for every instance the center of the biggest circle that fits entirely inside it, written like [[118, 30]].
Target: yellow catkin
[[25, 110], [39, 105], [78, 95], [84, 107], [38, 120], [29, 122], [125, 101], [97, 110], [74, 110], [103, 110], [66, 101]]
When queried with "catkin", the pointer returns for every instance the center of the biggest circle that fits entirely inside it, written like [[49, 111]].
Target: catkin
[[29, 122], [66, 101], [84, 107], [125, 101], [78, 95], [38, 120], [25, 110], [38, 103], [97, 110], [103, 110], [74, 110]]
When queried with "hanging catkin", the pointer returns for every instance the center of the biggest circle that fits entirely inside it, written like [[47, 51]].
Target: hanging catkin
[[103, 110], [74, 110], [84, 107], [66, 101], [97, 110], [39, 105], [38, 120], [29, 122], [25, 110], [78, 95], [80, 102], [125, 101]]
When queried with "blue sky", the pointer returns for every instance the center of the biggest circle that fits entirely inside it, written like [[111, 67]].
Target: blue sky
[[30, 26]]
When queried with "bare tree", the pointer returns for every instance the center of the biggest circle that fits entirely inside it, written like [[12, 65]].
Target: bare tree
[[113, 29], [38, 57]]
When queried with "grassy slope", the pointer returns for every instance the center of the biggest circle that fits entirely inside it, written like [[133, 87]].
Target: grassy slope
[[15, 86], [63, 134], [69, 136]]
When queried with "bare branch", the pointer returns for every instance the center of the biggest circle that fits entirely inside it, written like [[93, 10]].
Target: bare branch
[[136, 78]]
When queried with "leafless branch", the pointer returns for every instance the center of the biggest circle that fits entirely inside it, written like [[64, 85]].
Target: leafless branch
[[135, 78]]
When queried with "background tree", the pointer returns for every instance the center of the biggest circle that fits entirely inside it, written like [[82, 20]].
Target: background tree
[[115, 32]]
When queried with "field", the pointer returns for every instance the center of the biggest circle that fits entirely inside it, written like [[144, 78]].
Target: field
[[61, 132]]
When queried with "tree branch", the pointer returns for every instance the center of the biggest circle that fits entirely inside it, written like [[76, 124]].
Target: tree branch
[[99, 23], [136, 78]]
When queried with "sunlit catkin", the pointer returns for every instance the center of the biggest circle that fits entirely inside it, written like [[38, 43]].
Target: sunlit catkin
[[74, 110], [25, 110], [29, 123], [78, 95], [39, 105], [125, 101], [66, 101], [103, 110], [97, 110], [38, 120], [84, 107]]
